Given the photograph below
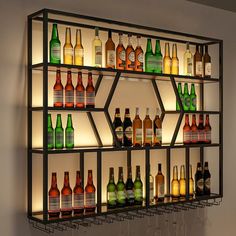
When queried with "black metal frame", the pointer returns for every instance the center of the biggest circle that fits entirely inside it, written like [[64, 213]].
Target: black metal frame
[[43, 16]]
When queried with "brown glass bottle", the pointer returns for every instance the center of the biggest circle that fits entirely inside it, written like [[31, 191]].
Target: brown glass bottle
[[207, 130], [54, 198], [118, 126], [69, 91], [80, 92], [66, 196], [58, 91], [110, 51], [194, 130], [157, 130], [201, 130], [128, 130], [78, 202], [207, 63], [160, 185], [90, 189], [90, 92], [147, 130], [198, 68], [175, 188], [130, 55], [199, 180], [120, 54], [138, 56], [137, 130], [186, 131]]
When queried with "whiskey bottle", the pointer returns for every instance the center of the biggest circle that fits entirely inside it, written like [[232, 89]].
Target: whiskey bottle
[[58, 91], [55, 46], [201, 130], [68, 48], [118, 126], [79, 49], [121, 196], [97, 50], [147, 130], [149, 57], [69, 132], [188, 61], [198, 70], [78, 200], [138, 188], [128, 130], [69, 91], [54, 198], [191, 182], [151, 188], [137, 130], [138, 65], [90, 190], [111, 191], [130, 55], [186, 131], [110, 51], [50, 133], [207, 130], [175, 61], [207, 63], [193, 99], [160, 185], [186, 98], [167, 60], [90, 92], [207, 179], [157, 130], [194, 130], [158, 58], [129, 187], [59, 133], [175, 184], [182, 182], [80, 92], [181, 95], [120, 54], [199, 181], [66, 196]]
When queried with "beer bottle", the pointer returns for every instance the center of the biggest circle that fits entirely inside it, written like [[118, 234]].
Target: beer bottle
[[175, 61], [55, 46], [90, 189], [149, 57], [121, 197], [186, 98], [147, 130], [158, 58], [110, 51], [58, 91], [138, 188], [137, 130], [120, 54], [194, 130], [68, 48], [175, 183], [198, 62], [181, 97], [69, 91], [80, 92], [90, 92], [111, 191], [191, 182], [186, 131], [59, 133], [130, 55], [151, 188], [157, 130], [199, 181], [167, 60], [50, 133], [69, 132], [207, 63], [138, 56], [118, 126], [207, 130], [129, 187], [207, 180], [201, 130], [182, 182], [78, 191], [193, 99], [127, 127], [79, 49], [160, 185]]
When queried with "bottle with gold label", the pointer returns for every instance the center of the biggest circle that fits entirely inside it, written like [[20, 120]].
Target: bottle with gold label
[[128, 130], [188, 61], [78, 50], [191, 182], [199, 180], [110, 51], [97, 50], [182, 182], [118, 127], [175, 183], [68, 48], [130, 55], [167, 60], [137, 130], [138, 56], [207, 180], [157, 129], [175, 61], [147, 130], [120, 54]]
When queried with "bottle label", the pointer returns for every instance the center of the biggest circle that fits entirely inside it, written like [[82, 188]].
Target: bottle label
[[98, 55], [66, 202], [130, 194], [148, 135], [90, 200], [119, 132], [151, 190], [129, 132], [140, 60], [161, 190], [208, 135], [69, 96], [200, 184], [56, 51], [70, 137], [194, 137], [151, 63], [158, 134], [79, 52], [50, 138], [193, 102], [121, 195], [198, 68], [208, 69], [131, 58], [111, 57], [111, 196], [78, 200], [80, 95], [201, 137], [138, 135], [187, 101], [138, 193], [59, 137], [58, 96], [208, 183], [54, 204], [189, 65], [90, 98], [122, 58], [187, 136], [68, 52]]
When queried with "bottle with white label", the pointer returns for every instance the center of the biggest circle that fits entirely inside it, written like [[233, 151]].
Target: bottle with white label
[[138, 188], [110, 52], [207, 130], [121, 194], [130, 55], [69, 133], [157, 129], [138, 56], [90, 92], [147, 129], [207, 63], [198, 67], [90, 190], [79, 49], [128, 129], [78, 200], [59, 133], [187, 134], [111, 190], [97, 50], [207, 180], [55, 46], [199, 180], [188, 61], [137, 130], [58, 90], [80, 92], [160, 185], [120, 54], [68, 48], [129, 187], [69, 91]]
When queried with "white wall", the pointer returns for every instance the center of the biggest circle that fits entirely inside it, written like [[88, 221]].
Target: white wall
[[174, 15]]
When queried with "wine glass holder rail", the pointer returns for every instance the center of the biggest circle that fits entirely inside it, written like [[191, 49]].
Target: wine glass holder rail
[[41, 220]]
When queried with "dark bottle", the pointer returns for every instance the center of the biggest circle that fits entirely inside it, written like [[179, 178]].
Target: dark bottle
[[129, 186], [90, 190], [59, 133], [186, 98], [69, 132], [181, 95], [201, 129], [121, 197], [194, 130], [207, 180], [193, 98], [78, 203], [160, 185], [69, 91], [128, 130], [111, 191], [138, 188], [90, 92], [199, 181], [207, 63], [118, 126], [80, 92], [198, 70], [207, 130], [58, 91], [50, 133]]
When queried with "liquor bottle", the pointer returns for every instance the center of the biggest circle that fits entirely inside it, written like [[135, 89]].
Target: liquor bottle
[[128, 130], [90, 190], [138, 65], [186, 131], [80, 92], [111, 191], [175, 183], [193, 99], [59, 133], [50, 133], [207, 130], [198, 62], [158, 57], [90, 92], [201, 130], [160, 185], [194, 130], [58, 91], [151, 188], [79, 49], [69, 132], [68, 48], [186, 98], [188, 61], [130, 55], [138, 188], [181, 95], [175, 61], [55, 46], [157, 129], [118, 126], [137, 130], [182, 182], [110, 52], [54, 198], [120, 54], [147, 130], [207, 179], [97, 50], [66, 196], [167, 60], [191, 182], [121, 196], [69, 91], [78, 201], [207, 63], [129, 187], [149, 57], [199, 181]]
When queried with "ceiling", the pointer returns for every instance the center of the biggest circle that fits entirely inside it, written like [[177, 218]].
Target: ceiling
[[229, 5]]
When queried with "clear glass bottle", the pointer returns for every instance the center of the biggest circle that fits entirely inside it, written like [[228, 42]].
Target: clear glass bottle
[[97, 50], [188, 61]]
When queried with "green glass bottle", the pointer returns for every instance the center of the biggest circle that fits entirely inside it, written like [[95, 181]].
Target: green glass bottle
[[129, 187], [59, 133], [138, 188], [111, 191], [193, 98], [181, 97], [186, 98], [69, 132], [149, 57], [121, 197], [158, 58], [50, 133], [55, 46]]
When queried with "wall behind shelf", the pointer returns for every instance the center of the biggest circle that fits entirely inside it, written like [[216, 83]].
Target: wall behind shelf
[[177, 15]]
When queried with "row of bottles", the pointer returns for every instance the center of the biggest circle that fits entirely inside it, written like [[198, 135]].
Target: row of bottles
[[129, 58], [68, 200], [70, 96], [197, 133], [137, 133]]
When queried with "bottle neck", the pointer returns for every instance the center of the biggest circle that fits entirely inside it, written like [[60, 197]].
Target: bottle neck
[[90, 79], [206, 49], [120, 176], [174, 51], [187, 47], [96, 33], [120, 39], [59, 123], [149, 46], [68, 36], [78, 37], [129, 40], [158, 47], [111, 178], [49, 121], [190, 172], [54, 181], [138, 173], [55, 32], [137, 112], [200, 119], [192, 89], [175, 173], [186, 120], [182, 172], [117, 114], [78, 179], [69, 79], [58, 77], [186, 88], [127, 115], [90, 178], [167, 50], [159, 169], [69, 122], [138, 42], [66, 180], [147, 112], [194, 120], [207, 120], [179, 88], [80, 81]]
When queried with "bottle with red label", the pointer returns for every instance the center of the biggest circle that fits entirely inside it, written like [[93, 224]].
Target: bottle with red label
[[90, 190], [66, 196], [69, 91], [90, 92], [207, 130], [186, 131], [58, 91], [128, 129], [78, 201], [120, 54], [138, 56], [80, 92], [194, 130], [130, 55], [201, 130], [54, 198]]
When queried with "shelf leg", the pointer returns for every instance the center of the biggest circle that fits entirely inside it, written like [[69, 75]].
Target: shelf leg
[[99, 181]]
